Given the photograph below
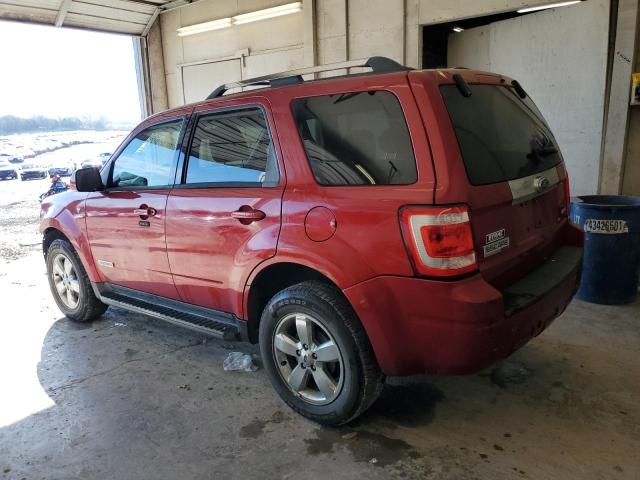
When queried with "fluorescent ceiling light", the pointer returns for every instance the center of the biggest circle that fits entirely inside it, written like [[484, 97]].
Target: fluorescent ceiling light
[[551, 5], [204, 27], [458, 29], [287, 9]]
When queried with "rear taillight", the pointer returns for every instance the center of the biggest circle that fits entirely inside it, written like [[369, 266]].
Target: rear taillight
[[439, 239]]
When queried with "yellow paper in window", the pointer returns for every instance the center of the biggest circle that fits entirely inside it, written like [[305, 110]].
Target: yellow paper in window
[[635, 89]]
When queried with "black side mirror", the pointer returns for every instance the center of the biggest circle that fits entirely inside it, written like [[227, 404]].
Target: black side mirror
[[88, 180]]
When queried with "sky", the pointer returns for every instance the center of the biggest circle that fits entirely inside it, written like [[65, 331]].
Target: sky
[[60, 72]]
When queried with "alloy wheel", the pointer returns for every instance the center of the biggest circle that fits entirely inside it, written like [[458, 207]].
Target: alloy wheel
[[65, 279], [308, 358]]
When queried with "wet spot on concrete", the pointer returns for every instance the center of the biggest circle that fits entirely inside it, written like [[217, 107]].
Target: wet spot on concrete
[[386, 450], [510, 373], [364, 446], [256, 427], [618, 468], [483, 456], [408, 405], [278, 417], [498, 448], [323, 442], [253, 429]]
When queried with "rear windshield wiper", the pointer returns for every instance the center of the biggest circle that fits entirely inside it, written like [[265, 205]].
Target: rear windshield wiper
[[345, 96]]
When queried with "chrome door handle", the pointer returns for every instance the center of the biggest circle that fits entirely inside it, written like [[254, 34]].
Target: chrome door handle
[[248, 216], [145, 211]]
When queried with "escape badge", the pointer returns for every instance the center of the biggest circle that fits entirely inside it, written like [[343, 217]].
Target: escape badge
[[495, 242]]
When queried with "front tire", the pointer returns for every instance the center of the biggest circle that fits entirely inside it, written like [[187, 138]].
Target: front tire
[[317, 354], [70, 284]]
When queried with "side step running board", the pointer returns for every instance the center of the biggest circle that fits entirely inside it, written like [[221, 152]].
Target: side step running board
[[209, 322]]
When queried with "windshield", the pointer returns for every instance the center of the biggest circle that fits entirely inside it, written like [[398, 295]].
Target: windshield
[[501, 136]]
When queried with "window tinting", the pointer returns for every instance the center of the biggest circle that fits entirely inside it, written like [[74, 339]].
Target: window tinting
[[147, 160], [232, 148], [502, 137], [358, 138]]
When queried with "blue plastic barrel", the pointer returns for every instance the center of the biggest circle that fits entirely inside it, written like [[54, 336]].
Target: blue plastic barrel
[[611, 264]]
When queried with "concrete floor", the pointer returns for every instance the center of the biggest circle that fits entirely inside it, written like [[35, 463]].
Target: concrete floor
[[129, 397], [132, 397]]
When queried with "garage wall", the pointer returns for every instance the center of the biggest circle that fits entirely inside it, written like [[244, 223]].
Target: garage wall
[[560, 58], [344, 30], [330, 31], [196, 64]]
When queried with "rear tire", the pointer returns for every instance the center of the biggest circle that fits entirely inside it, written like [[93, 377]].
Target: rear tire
[[317, 354], [70, 284]]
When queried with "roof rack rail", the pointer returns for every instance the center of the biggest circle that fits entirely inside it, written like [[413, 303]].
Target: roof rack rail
[[376, 64]]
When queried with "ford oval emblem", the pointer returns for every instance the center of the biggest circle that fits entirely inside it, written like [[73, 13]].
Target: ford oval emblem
[[541, 184]]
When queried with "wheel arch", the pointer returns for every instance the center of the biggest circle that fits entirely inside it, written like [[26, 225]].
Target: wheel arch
[[270, 280], [49, 236], [54, 231]]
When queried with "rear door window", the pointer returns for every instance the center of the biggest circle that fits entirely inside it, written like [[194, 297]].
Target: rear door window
[[501, 136], [232, 148], [358, 138]]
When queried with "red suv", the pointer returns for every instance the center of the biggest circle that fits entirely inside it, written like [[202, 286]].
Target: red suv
[[386, 223]]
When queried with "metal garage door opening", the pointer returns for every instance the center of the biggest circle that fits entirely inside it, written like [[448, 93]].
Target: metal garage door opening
[[538, 49], [67, 95]]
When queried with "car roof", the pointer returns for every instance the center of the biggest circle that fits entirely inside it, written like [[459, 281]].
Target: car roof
[[374, 79]]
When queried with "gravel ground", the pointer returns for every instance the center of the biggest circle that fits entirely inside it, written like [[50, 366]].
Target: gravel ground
[[19, 217], [19, 203]]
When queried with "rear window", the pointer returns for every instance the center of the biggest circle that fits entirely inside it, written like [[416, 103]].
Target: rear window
[[501, 136], [358, 138]]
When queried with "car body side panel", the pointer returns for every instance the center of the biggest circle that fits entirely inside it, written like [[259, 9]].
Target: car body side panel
[[367, 239], [210, 253], [65, 212]]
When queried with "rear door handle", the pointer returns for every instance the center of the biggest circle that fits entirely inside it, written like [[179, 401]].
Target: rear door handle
[[248, 215], [145, 211]]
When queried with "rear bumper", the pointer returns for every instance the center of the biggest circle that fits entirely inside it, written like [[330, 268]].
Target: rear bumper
[[417, 325]]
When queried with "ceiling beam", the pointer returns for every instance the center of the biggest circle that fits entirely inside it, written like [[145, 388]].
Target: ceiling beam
[[152, 19], [62, 12]]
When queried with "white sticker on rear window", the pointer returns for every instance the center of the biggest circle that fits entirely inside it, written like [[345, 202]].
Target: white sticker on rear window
[[611, 227]]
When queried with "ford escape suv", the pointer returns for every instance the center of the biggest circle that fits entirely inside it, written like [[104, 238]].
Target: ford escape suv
[[385, 223]]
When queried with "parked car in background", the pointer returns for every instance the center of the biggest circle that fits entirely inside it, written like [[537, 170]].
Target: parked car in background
[[62, 168], [104, 157], [391, 223], [30, 171], [92, 162], [8, 171], [11, 158]]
